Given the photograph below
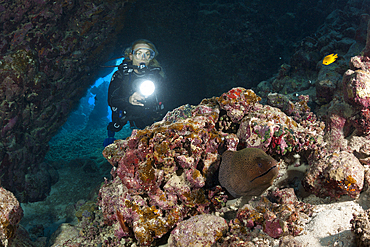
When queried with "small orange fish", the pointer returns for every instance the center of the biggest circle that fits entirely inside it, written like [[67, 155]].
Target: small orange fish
[[329, 59]]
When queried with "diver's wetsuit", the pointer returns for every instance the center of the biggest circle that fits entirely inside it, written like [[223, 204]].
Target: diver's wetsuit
[[121, 87]]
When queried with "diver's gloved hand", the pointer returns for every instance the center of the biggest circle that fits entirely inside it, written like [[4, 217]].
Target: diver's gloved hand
[[136, 98], [124, 68], [110, 138]]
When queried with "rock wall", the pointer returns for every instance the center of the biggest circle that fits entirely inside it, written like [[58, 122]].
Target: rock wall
[[49, 55]]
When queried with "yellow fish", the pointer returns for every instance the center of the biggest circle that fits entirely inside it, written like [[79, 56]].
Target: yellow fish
[[329, 59]]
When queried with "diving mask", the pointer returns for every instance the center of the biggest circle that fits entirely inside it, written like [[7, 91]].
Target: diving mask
[[144, 54]]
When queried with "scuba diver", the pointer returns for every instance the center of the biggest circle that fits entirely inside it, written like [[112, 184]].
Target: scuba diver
[[135, 88]]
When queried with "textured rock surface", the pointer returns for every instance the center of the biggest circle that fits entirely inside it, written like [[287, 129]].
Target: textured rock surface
[[356, 89], [163, 171], [289, 241], [356, 81], [11, 214], [49, 52], [68, 232], [287, 217], [361, 228], [335, 175], [199, 230], [273, 131]]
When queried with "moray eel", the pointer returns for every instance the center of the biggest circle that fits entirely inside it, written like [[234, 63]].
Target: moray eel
[[249, 171]]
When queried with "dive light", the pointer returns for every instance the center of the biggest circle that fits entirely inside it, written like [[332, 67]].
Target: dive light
[[146, 88]]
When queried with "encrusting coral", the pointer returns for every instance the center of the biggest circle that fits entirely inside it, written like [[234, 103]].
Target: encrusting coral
[[168, 171], [199, 230], [286, 216]]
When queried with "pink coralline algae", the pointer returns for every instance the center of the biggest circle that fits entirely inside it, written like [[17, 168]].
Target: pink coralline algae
[[163, 172], [299, 111], [11, 214], [9, 125], [268, 128], [356, 90], [237, 102], [338, 124], [273, 131]]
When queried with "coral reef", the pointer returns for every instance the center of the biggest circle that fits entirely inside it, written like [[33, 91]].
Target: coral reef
[[163, 172], [341, 102], [356, 91], [166, 172], [165, 177], [274, 132], [341, 172]]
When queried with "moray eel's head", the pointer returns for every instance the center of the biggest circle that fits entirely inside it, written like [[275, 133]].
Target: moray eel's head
[[249, 171]]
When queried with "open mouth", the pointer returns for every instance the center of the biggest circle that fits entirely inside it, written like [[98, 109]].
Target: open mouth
[[263, 174]]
